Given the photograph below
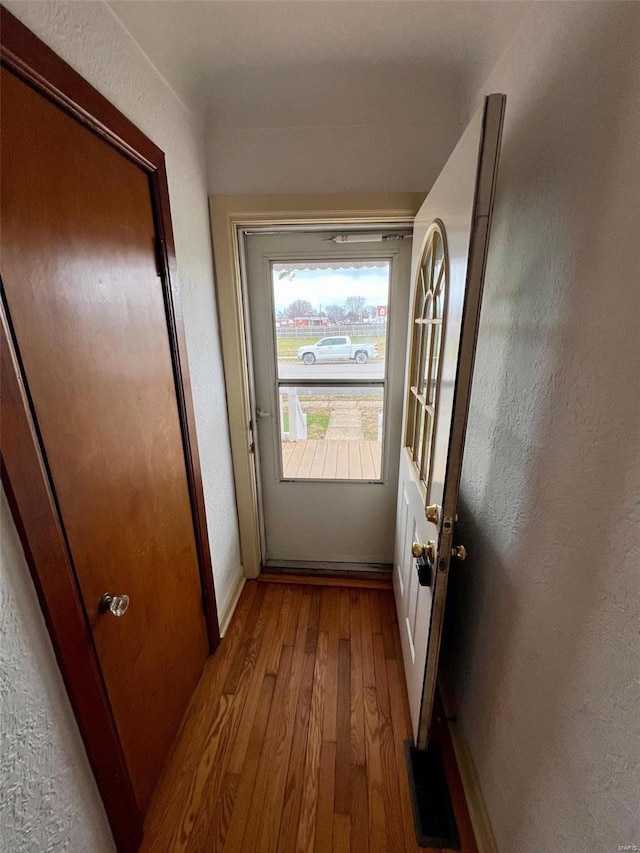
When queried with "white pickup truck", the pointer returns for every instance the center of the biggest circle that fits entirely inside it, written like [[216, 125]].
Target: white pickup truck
[[337, 349]]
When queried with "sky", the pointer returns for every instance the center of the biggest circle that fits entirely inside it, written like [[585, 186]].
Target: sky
[[332, 287]]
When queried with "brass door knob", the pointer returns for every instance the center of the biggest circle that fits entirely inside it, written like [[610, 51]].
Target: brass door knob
[[428, 550], [459, 552], [116, 604]]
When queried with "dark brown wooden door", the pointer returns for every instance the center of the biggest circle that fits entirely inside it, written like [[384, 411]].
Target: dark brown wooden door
[[87, 309]]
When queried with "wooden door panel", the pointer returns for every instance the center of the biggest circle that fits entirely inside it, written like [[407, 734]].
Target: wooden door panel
[[87, 309]]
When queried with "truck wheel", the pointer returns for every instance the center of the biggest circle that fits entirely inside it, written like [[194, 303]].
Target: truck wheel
[[309, 358], [361, 357]]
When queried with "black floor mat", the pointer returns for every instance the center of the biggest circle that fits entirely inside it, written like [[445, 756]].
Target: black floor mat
[[432, 811]]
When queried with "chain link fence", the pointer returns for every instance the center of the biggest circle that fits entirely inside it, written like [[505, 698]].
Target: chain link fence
[[354, 330]]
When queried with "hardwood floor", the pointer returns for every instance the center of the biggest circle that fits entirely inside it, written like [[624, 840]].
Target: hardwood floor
[[295, 737]]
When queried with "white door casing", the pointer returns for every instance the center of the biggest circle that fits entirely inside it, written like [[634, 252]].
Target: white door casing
[[230, 216], [459, 206]]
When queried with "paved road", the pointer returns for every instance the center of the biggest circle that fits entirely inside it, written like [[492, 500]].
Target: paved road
[[370, 370]]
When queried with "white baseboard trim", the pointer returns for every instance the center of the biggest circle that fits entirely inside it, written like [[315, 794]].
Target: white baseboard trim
[[485, 838], [229, 606]]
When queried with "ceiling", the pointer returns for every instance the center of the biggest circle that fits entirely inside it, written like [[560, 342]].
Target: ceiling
[[322, 63]]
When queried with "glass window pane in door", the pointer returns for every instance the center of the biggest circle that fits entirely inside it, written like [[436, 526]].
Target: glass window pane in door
[[332, 433], [432, 362], [331, 318], [418, 434]]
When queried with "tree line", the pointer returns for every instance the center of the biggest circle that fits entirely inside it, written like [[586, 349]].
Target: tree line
[[354, 309]]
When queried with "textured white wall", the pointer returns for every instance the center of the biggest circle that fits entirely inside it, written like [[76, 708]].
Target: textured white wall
[[48, 796], [350, 128], [89, 37], [342, 159], [542, 644]]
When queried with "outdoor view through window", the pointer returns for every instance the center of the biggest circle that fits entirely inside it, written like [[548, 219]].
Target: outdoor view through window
[[331, 335]]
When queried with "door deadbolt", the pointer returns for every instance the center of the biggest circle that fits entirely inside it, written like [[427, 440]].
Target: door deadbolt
[[433, 513]]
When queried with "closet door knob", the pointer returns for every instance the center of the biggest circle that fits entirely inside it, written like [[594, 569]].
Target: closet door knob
[[116, 604]]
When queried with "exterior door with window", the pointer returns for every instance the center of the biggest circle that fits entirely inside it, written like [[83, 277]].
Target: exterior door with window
[[450, 244], [327, 366]]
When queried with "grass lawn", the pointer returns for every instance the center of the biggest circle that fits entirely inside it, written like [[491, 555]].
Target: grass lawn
[[288, 347], [317, 423], [370, 424]]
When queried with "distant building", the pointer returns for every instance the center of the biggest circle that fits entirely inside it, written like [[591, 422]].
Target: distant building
[[310, 321]]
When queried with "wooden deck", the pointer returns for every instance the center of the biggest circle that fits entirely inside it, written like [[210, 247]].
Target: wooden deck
[[332, 460]]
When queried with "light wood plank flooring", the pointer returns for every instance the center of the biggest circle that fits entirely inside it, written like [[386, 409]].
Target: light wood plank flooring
[[330, 460], [294, 739]]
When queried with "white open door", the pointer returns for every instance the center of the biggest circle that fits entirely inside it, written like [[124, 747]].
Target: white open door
[[449, 251]]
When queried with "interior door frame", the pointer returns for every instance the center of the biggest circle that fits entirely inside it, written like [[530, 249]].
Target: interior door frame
[[229, 216], [25, 475]]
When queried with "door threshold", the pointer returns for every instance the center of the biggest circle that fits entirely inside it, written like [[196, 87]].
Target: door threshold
[[327, 569], [316, 569], [360, 580]]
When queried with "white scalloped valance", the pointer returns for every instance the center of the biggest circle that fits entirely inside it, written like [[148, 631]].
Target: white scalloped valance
[[300, 266]]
